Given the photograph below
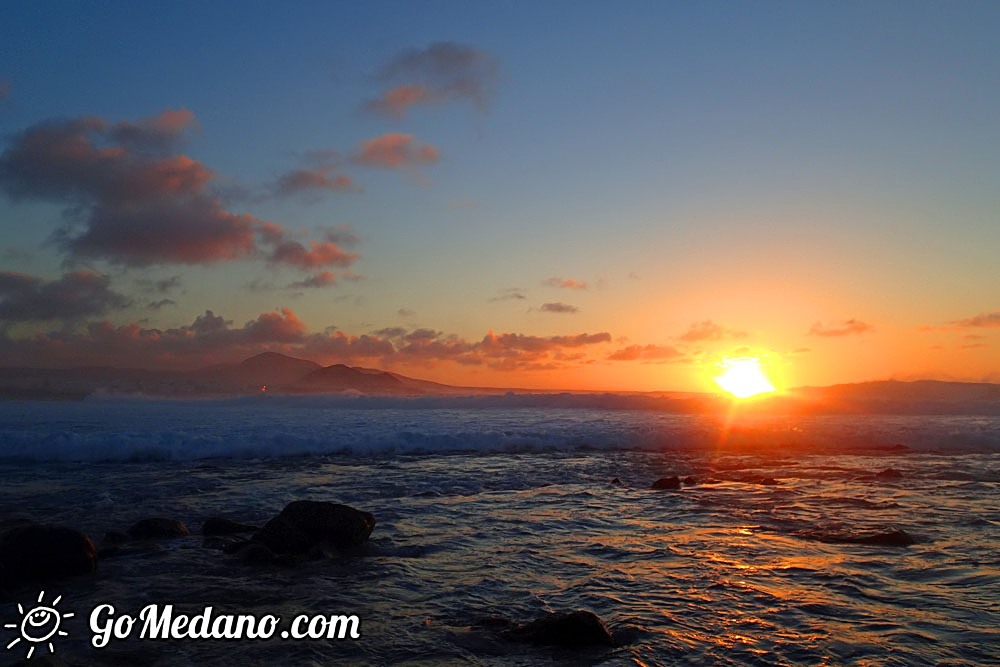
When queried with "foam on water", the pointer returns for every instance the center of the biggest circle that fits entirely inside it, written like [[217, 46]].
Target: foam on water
[[123, 429]]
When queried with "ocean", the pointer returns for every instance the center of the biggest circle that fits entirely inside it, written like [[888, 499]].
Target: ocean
[[501, 508]]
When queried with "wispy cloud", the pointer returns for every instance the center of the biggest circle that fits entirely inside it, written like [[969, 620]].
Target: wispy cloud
[[647, 352], [983, 320], [558, 307], [395, 151], [709, 330], [441, 73], [847, 328], [565, 283]]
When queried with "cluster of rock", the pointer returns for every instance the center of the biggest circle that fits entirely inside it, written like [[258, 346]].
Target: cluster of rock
[[32, 552]]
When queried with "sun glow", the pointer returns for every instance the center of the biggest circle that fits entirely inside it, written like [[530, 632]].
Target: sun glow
[[743, 377]]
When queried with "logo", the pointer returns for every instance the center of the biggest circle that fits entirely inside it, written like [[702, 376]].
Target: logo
[[38, 626]]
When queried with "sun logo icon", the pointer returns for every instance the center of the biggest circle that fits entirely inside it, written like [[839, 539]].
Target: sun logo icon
[[39, 625]]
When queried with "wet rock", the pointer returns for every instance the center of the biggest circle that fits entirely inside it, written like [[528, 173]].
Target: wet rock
[[157, 529], [892, 538], [113, 537], [38, 552], [573, 629], [768, 481], [234, 546], [889, 538], [256, 554], [667, 483], [219, 526], [690, 480], [889, 473], [305, 525], [616, 482]]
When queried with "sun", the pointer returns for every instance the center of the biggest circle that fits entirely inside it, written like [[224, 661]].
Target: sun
[[743, 377], [39, 625]]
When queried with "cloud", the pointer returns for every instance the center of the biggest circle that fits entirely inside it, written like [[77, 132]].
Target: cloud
[[162, 303], [397, 101], [72, 297], [559, 307], [131, 200], [981, 320], [442, 72], [568, 283], [847, 328], [321, 279], [161, 286], [405, 312], [316, 254], [395, 151], [510, 294], [709, 330], [324, 179], [647, 352]]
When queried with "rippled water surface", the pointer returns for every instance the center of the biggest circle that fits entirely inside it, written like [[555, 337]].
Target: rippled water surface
[[728, 571]]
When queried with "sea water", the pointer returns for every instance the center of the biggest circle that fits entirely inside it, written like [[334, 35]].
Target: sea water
[[488, 509]]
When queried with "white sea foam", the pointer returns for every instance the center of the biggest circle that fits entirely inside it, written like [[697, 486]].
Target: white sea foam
[[104, 428]]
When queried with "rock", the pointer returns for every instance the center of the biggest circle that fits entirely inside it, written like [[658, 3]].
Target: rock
[[573, 629], [306, 524], [219, 526], [892, 538], [256, 554], [157, 529], [667, 483], [889, 538], [768, 481], [37, 552], [889, 473], [616, 482], [690, 480], [115, 537]]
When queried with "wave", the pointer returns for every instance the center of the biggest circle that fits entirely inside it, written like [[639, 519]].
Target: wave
[[135, 429]]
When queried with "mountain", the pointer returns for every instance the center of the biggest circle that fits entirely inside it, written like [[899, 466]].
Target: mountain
[[271, 369], [339, 378]]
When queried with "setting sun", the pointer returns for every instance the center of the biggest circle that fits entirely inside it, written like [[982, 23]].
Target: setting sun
[[743, 377]]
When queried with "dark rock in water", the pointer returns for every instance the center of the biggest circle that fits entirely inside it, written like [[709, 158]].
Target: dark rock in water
[[219, 526], [156, 529], [573, 629], [37, 552], [256, 554], [115, 537], [768, 481], [893, 538], [667, 483], [889, 473], [690, 480], [616, 482], [307, 524]]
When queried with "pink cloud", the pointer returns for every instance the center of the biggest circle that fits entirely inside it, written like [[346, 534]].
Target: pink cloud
[[709, 330], [395, 151], [397, 101], [847, 328], [649, 352], [319, 254], [982, 320], [568, 283]]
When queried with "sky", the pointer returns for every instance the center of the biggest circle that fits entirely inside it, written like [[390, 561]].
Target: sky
[[542, 195]]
